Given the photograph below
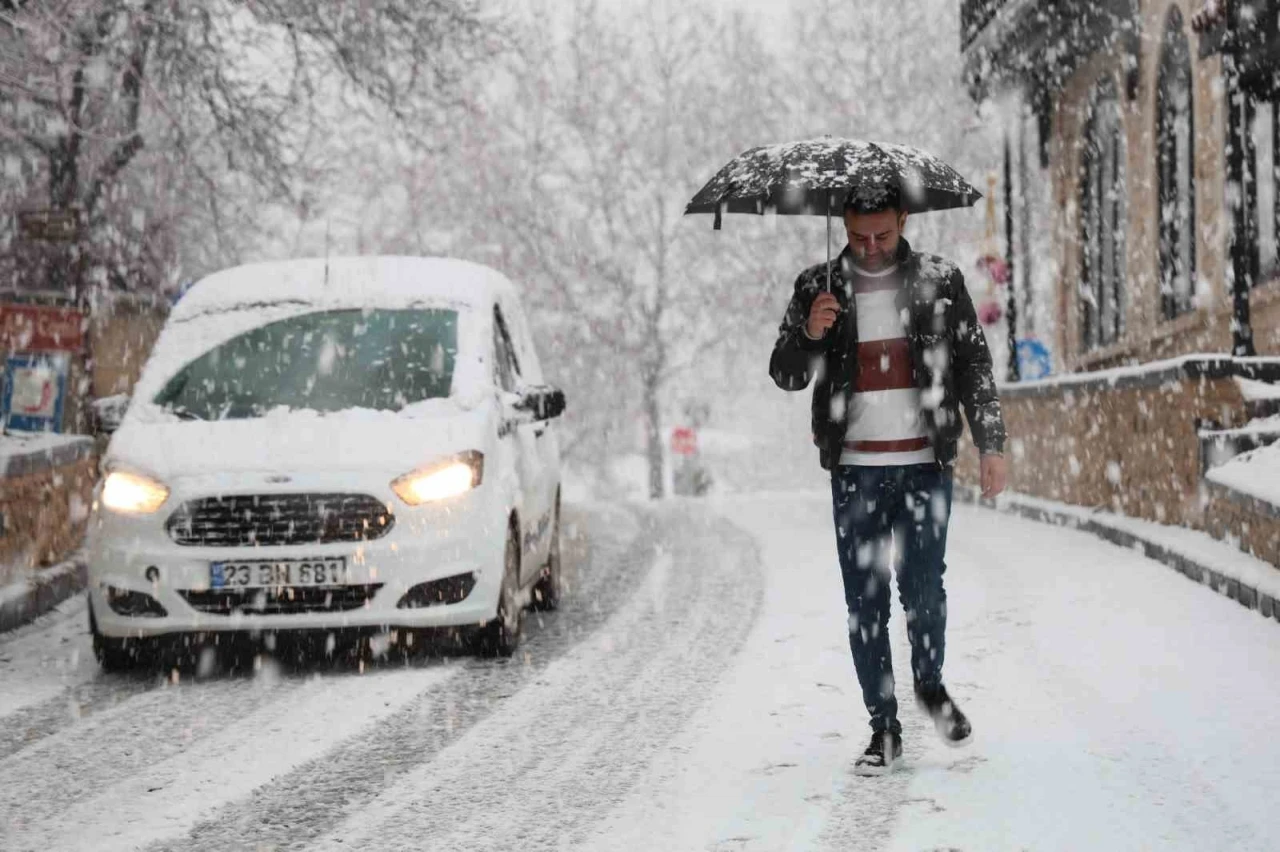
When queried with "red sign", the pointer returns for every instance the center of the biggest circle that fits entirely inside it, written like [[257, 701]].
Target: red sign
[[684, 441], [39, 328]]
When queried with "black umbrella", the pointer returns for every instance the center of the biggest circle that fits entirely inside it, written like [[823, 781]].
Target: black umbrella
[[814, 177]]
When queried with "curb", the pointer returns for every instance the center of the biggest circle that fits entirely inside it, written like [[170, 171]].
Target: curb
[[43, 592], [1242, 593]]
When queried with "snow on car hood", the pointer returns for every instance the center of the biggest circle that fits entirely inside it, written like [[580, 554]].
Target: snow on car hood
[[300, 441]]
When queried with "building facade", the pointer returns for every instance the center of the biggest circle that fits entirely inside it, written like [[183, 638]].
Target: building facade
[[1152, 126], [1142, 198]]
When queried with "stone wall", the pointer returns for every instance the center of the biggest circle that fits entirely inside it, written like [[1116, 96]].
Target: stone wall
[[1254, 525], [1127, 441], [44, 499]]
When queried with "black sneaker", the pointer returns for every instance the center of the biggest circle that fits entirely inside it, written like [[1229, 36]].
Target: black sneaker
[[953, 726], [881, 756]]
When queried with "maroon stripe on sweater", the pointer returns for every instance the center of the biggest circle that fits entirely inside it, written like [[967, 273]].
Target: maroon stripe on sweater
[[884, 365], [909, 445]]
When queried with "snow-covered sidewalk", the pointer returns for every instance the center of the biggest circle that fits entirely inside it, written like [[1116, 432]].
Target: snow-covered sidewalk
[[1113, 706]]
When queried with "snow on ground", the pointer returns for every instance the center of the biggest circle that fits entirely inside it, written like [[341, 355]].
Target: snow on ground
[[46, 658], [1200, 547], [247, 748], [1116, 706], [696, 692]]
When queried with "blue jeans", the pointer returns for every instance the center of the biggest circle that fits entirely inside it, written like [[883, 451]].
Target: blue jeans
[[874, 507]]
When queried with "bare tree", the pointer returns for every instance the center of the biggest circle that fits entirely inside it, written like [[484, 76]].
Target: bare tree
[[570, 169], [636, 104], [223, 90]]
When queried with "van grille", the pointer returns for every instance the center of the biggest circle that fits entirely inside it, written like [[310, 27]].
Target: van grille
[[250, 520], [292, 599]]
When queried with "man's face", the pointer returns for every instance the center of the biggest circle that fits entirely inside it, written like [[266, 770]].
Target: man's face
[[873, 237]]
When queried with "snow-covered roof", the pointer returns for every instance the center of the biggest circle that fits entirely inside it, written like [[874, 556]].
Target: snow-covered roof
[[363, 282]]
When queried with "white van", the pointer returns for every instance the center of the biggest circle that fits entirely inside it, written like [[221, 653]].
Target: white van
[[360, 443]]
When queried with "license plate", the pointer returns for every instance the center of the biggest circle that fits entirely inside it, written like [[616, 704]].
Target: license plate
[[262, 574]]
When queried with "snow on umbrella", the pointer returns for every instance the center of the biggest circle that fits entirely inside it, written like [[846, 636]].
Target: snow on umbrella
[[813, 177]]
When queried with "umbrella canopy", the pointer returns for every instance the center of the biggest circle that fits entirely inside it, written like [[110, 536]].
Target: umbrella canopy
[[815, 176]]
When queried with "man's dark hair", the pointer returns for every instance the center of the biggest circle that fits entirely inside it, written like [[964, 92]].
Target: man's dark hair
[[873, 198]]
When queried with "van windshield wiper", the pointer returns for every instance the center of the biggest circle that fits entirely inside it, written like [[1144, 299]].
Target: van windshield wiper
[[182, 412]]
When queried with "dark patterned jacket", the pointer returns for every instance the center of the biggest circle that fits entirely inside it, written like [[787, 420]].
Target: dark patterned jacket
[[950, 361]]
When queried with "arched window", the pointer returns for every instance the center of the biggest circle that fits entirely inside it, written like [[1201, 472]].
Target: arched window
[[1102, 221], [1175, 151]]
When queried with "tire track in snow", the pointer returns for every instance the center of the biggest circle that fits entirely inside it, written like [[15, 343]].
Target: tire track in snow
[[544, 770], [89, 736], [169, 796], [39, 783], [66, 708], [607, 550], [51, 680]]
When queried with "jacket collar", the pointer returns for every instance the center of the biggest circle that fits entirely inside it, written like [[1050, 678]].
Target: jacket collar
[[904, 257]]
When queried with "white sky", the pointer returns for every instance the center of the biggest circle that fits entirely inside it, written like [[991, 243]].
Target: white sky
[[767, 10]]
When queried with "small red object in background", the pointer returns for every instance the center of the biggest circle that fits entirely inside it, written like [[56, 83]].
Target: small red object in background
[[990, 312], [684, 441], [996, 268]]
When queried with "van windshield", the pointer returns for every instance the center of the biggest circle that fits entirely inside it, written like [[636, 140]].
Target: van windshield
[[326, 361]]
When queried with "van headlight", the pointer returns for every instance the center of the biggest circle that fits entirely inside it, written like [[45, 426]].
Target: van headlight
[[132, 493], [441, 481]]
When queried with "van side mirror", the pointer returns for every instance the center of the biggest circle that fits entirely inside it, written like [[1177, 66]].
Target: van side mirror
[[536, 404], [543, 403]]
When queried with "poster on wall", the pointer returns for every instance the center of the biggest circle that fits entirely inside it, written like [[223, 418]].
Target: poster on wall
[[35, 389], [1034, 360]]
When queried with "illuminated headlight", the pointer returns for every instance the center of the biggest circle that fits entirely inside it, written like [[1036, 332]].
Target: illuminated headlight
[[132, 493], [449, 478]]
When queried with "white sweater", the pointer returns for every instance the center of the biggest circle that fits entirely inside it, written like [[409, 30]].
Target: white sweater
[[885, 426]]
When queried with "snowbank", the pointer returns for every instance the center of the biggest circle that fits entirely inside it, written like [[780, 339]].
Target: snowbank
[[1255, 473], [1255, 391]]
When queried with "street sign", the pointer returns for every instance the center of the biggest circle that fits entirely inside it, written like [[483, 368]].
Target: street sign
[[41, 328], [35, 389], [684, 441], [49, 226]]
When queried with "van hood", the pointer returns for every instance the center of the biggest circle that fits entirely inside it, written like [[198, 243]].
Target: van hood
[[291, 442]]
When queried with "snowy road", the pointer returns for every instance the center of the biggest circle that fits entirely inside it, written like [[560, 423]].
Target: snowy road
[[695, 692]]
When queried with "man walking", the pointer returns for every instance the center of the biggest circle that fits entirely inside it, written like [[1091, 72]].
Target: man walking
[[896, 351]]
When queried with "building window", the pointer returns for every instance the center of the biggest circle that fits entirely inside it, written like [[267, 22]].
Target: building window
[[1261, 176], [1102, 221], [1175, 147]]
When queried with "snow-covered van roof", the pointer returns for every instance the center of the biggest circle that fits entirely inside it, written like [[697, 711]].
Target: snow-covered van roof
[[364, 282], [237, 300]]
